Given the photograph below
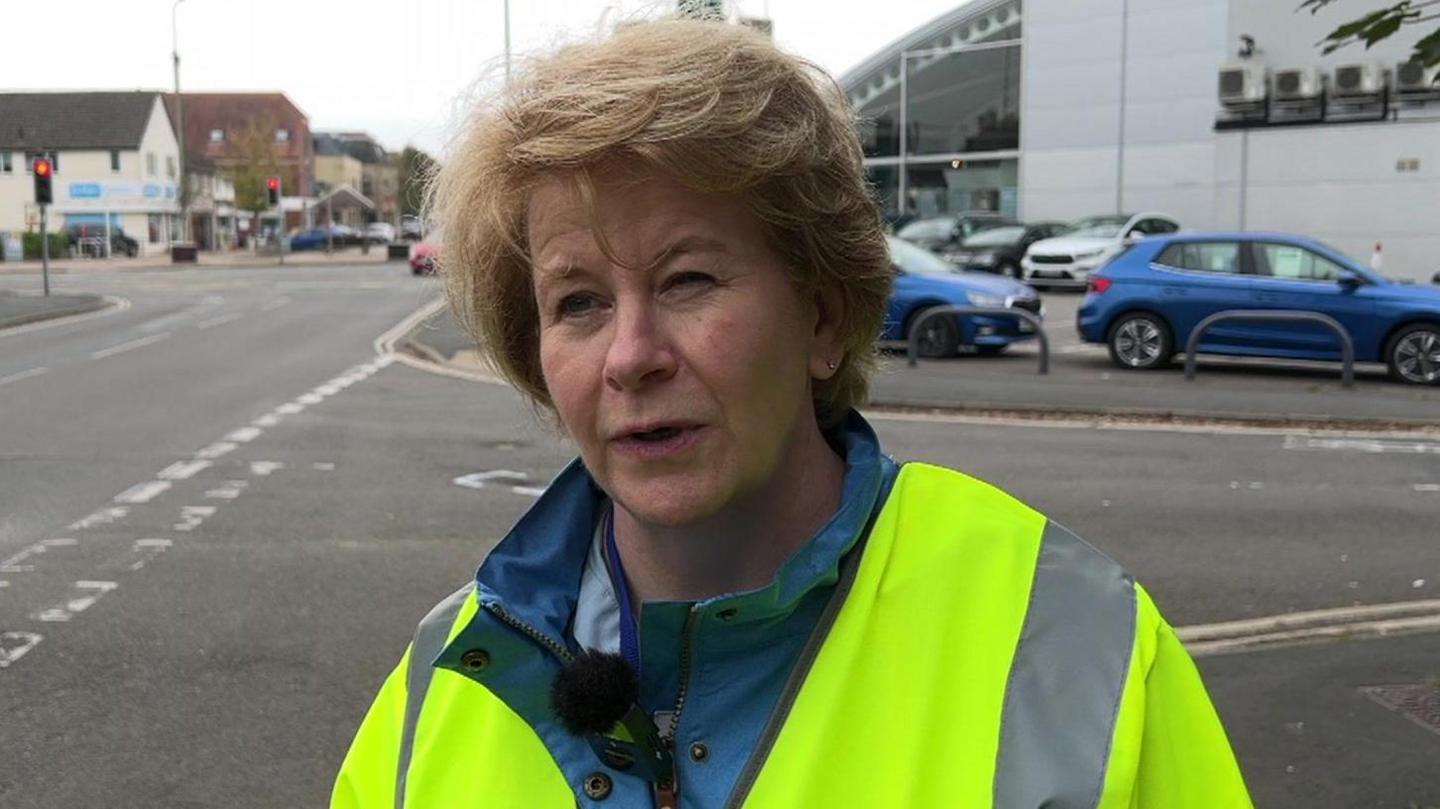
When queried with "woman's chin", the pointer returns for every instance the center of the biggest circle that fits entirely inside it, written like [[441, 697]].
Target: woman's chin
[[670, 502]]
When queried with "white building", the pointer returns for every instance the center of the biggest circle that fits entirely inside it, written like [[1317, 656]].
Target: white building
[[116, 157], [1060, 109]]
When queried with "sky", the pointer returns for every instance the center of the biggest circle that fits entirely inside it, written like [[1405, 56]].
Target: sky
[[402, 71]]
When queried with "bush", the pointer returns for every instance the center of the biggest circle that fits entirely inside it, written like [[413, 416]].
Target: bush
[[59, 245]]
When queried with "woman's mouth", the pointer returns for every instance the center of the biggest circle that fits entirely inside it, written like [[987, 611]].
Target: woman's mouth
[[658, 442]]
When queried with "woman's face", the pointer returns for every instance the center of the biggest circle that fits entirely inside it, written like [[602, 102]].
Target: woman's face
[[683, 375]]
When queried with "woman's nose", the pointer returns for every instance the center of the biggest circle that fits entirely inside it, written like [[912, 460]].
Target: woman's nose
[[640, 353]]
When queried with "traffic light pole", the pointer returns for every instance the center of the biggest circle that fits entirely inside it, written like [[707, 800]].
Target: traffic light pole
[[44, 249]]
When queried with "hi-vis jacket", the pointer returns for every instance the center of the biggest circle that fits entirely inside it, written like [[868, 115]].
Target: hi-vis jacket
[[972, 654]]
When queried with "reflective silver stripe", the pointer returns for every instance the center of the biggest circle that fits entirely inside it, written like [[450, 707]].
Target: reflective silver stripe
[[1066, 680], [429, 642]]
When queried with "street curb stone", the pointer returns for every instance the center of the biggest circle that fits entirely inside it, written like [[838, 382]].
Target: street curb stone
[[64, 306]]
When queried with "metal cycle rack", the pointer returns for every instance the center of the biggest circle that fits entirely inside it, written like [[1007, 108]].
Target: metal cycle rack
[[912, 340], [1347, 345]]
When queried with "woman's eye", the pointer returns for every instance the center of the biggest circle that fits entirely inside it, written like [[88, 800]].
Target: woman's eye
[[574, 304], [686, 279]]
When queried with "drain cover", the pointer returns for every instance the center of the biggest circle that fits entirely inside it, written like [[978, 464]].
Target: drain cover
[[1418, 702]]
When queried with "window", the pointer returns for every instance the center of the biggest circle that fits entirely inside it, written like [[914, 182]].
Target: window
[[150, 164], [152, 226], [1221, 257], [282, 136], [217, 136], [5, 165], [1153, 227], [114, 159], [1290, 261], [170, 166]]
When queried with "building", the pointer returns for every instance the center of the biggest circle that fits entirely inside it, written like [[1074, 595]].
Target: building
[[211, 203], [1060, 109], [116, 160], [378, 173], [260, 131]]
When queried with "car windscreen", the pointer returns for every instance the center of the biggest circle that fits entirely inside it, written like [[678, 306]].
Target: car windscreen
[[996, 237], [1100, 228], [910, 258], [928, 229]]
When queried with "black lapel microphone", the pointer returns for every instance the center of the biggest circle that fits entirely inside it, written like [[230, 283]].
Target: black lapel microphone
[[597, 697]]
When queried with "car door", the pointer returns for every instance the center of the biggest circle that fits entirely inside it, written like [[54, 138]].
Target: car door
[[1293, 276], [1198, 278]]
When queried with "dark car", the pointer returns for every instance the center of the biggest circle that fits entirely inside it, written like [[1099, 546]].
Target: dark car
[[1145, 303], [319, 239], [90, 241], [999, 249], [940, 233]]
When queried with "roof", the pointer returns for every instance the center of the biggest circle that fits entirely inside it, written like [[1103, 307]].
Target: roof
[[358, 145], [75, 120]]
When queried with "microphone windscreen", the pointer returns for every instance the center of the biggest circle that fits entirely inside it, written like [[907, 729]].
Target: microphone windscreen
[[593, 692]]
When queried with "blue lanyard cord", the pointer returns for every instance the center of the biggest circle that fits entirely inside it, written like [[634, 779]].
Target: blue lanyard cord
[[629, 631]]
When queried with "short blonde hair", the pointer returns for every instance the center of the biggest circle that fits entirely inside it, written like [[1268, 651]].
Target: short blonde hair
[[721, 110]]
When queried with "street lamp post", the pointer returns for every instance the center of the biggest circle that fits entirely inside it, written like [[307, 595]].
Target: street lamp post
[[182, 193], [507, 43]]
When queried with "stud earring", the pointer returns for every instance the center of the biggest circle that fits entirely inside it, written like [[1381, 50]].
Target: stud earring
[[832, 364]]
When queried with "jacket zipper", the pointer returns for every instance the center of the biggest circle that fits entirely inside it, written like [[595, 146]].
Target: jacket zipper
[[534, 634], [667, 793]]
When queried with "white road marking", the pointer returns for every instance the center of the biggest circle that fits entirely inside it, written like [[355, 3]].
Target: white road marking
[[130, 346], [1343, 622], [182, 470], [19, 375], [192, 516], [477, 480], [310, 399], [329, 389], [1120, 424], [14, 645], [1370, 445], [219, 321], [532, 491], [263, 468], [1427, 487], [275, 304], [148, 549], [229, 491], [91, 592], [289, 409], [322, 466], [12, 565], [216, 449], [244, 435], [267, 420], [143, 492], [101, 517]]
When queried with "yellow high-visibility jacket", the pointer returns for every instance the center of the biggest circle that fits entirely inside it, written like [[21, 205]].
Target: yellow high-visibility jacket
[[974, 654]]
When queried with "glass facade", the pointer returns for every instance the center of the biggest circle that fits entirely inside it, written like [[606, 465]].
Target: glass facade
[[954, 186]]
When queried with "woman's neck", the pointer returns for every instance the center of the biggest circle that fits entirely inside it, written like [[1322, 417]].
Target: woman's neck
[[742, 546]]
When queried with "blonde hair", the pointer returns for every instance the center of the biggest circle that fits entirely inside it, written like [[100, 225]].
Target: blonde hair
[[718, 108]]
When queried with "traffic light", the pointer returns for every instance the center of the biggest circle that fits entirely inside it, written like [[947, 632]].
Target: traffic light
[[44, 171], [272, 189]]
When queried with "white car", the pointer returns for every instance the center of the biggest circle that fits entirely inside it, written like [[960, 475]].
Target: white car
[[1068, 259], [379, 233]]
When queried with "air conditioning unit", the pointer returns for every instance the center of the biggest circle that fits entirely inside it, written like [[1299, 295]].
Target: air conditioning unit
[[1243, 83], [1298, 83], [1413, 78], [1359, 80]]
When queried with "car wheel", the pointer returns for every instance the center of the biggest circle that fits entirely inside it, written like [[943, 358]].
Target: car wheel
[[939, 335], [1008, 269], [1140, 341], [1414, 354]]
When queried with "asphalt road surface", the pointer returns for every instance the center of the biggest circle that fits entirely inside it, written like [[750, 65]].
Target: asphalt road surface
[[216, 542]]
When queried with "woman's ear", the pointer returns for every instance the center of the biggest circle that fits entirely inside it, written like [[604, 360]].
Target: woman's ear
[[826, 348]]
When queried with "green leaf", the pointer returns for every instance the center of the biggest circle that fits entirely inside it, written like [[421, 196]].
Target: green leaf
[[1427, 50], [1382, 30]]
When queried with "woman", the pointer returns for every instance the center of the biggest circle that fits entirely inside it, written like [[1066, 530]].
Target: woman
[[733, 597]]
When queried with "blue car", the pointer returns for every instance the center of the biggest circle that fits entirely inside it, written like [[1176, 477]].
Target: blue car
[[1147, 300], [923, 280]]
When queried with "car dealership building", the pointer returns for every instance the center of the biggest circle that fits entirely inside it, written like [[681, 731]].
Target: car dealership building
[[1222, 113]]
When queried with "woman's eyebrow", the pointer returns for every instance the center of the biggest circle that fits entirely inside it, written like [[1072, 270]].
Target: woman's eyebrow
[[687, 245]]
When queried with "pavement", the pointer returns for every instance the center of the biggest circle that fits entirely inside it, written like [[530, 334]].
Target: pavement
[[1083, 382], [349, 256], [222, 513], [17, 309]]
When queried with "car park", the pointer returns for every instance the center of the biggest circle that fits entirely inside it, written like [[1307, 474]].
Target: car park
[[999, 249], [939, 233], [1146, 302], [1067, 260], [924, 281]]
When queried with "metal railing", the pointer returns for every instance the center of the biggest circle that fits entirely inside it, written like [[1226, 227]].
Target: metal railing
[[912, 340], [1347, 345]]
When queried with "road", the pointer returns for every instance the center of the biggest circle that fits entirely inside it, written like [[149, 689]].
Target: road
[[217, 542]]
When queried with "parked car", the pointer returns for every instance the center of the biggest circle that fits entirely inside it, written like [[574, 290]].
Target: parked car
[[423, 255], [999, 249], [379, 233], [939, 233], [90, 240], [1067, 260], [923, 281], [411, 229], [317, 239], [1145, 303]]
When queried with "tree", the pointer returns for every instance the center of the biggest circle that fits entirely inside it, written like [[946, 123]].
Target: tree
[[1384, 23], [416, 168], [255, 150]]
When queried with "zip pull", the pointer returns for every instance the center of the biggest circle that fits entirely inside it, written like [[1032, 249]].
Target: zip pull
[[667, 790]]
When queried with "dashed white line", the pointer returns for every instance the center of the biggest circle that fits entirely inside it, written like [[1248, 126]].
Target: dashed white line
[[244, 435], [263, 468], [267, 420], [14, 645], [182, 470], [211, 323], [310, 399], [12, 565], [1427, 487], [101, 517], [215, 450], [192, 516], [143, 492], [148, 549], [1363, 445], [91, 591], [289, 409], [229, 491], [130, 346], [26, 374]]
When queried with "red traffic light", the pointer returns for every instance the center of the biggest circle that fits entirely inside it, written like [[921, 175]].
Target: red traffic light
[[42, 167], [272, 183]]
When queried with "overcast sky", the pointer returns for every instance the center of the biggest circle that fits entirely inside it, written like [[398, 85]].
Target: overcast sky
[[399, 70]]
